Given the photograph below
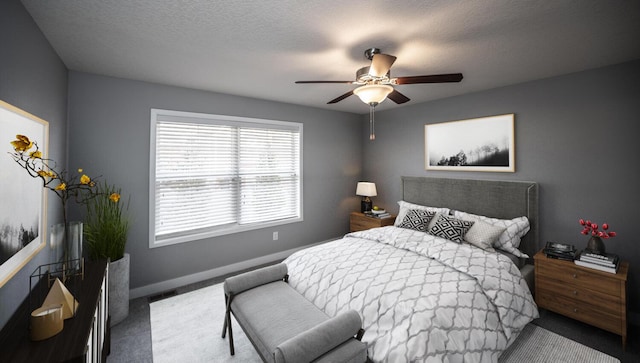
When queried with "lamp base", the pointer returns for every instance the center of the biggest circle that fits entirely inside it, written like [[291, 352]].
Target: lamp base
[[365, 205]]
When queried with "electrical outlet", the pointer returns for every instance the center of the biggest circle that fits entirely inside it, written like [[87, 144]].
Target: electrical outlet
[[275, 235]]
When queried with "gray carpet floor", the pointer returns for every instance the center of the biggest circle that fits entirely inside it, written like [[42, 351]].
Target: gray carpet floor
[[131, 339]]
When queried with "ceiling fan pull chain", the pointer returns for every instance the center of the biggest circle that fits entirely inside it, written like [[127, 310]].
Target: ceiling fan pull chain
[[372, 122]]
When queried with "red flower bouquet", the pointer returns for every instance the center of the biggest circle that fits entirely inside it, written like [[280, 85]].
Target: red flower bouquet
[[594, 230]]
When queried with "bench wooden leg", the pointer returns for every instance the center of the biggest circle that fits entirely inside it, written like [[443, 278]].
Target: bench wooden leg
[[224, 326], [231, 348], [227, 324]]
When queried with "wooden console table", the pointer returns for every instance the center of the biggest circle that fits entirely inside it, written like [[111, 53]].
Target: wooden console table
[[84, 338]]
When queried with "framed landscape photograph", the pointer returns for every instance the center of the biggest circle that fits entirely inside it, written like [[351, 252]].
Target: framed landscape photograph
[[480, 144], [24, 201]]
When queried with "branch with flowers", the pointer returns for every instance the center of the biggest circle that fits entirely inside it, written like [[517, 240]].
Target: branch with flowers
[[27, 154], [107, 224], [29, 157], [594, 230]]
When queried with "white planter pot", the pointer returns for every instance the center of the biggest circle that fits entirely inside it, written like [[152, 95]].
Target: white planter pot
[[119, 289]]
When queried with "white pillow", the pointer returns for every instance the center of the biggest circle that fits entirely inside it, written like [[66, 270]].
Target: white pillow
[[509, 240], [406, 206]]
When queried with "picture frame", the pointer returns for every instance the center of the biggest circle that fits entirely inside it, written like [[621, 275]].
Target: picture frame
[[23, 212], [479, 144]]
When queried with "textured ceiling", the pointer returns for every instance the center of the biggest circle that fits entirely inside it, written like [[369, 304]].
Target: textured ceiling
[[258, 48]]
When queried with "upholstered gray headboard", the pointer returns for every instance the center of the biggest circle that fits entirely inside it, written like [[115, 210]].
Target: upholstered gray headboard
[[497, 199]]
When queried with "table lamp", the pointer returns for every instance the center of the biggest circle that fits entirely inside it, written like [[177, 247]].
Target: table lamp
[[366, 190]]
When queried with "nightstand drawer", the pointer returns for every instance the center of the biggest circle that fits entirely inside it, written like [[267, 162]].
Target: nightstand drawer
[[359, 225], [598, 300], [606, 319], [360, 222], [579, 277]]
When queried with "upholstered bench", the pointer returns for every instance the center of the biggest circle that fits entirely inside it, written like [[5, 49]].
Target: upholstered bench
[[284, 326]]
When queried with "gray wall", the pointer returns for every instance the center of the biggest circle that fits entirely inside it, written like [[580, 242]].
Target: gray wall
[[32, 78], [109, 126], [576, 135]]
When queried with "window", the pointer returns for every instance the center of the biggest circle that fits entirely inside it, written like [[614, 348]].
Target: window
[[213, 175]]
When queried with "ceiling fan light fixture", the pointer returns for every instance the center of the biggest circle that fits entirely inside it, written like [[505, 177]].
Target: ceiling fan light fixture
[[373, 93]]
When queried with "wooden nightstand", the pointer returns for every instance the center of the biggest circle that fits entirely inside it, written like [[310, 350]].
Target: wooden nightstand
[[359, 222], [591, 296]]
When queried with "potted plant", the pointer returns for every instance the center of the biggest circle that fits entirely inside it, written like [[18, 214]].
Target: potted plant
[[105, 232]]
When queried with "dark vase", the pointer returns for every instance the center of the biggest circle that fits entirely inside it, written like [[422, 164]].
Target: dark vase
[[595, 245]]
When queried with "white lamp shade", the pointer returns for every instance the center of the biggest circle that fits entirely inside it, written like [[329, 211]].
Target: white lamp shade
[[373, 93], [366, 189]]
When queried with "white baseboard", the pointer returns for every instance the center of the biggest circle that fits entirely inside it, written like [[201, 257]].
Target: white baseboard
[[163, 286]]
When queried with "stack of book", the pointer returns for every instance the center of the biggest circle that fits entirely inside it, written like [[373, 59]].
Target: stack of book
[[380, 213], [560, 251], [607, 262]]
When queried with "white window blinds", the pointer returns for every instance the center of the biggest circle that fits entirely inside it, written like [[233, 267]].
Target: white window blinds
[[220, 174]]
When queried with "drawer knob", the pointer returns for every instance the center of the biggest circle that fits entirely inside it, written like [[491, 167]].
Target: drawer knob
[[575, 276], [575, 292], [575, 310]]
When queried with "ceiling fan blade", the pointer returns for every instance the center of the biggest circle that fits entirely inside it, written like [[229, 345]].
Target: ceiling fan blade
[[434, 78], [340, 98], [380, 64], [347, 82], [398, 97]]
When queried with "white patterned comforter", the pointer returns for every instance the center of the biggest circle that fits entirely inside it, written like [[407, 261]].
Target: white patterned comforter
[[422, 298]]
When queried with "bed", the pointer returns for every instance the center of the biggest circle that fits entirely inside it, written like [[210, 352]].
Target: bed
[[423, 297]]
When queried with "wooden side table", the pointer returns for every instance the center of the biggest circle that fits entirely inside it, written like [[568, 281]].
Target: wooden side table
[[588, 295], [359, 222]]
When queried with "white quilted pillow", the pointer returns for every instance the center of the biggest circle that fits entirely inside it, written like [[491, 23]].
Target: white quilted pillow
[[406, 207], [483, 235], [509, 240]]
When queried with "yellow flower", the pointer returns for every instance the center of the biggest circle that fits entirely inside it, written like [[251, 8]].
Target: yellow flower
[[114, 197], [84, 179], [46, 174], [80, 170], [36, 154], [22, 143], [61, 186]]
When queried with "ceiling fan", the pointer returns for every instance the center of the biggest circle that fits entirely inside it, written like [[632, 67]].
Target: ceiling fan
[[376, 84]]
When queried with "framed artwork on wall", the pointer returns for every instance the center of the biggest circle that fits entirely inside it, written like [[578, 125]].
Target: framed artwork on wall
[[480, 144], [23, 207]]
